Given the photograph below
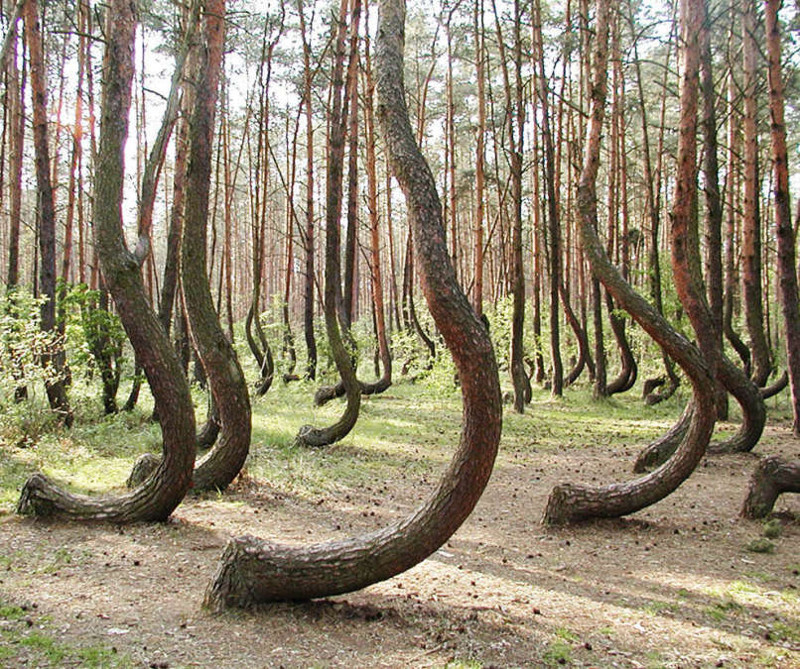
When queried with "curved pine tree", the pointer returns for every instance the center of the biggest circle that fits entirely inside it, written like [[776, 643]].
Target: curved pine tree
[[253, 570]]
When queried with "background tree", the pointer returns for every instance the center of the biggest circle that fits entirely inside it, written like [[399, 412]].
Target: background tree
[[163, 490]]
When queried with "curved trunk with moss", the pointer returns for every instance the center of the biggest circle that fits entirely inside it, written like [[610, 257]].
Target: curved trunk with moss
[[584, 355], [686, 260], [308, 435], [754, 417], [629, 370], [776, 386], [260, 347], [667, 384], [707, 322], [225, 378], [569, 502], [163, 490], [256, 571]]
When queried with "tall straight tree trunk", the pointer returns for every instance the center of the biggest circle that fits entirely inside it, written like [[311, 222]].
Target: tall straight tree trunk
[[254, 571], [713, 209], [785, 232], [56, 390], [308, 285], [732, 179], [687, 263], [15, 105], [351, 239], [751, 244], [254, 333], [288, 336], [653, 181], [515, 122], [553, 223], [480, 156], [169, 281], [16, 118], [163, 490], [374, 221], [537, 373]]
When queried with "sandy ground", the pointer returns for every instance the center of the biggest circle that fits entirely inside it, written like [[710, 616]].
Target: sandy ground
[[673, 586]]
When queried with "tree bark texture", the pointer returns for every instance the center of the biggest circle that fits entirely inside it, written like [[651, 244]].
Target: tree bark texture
[[225, 377], [255, 571], [158, 496], [570, 502], [309, 435], [784, 230], [56, 389], [308, 279], [751, 228], [773, 477]]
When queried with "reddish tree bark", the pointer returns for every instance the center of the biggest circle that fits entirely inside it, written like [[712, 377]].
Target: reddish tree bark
[[773, 477], [255, 571], [56, 390], [785, 232], [751, 228], [163, 490], [225, 378], [569, 502]]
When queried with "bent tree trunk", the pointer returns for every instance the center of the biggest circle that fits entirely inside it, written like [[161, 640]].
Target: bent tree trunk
[[773, 477], [584, 354], [629, 371], [225, 377], [161, 492], [776, 386], [260, 347], [570, 502], [308, 435], [754, 417], [252, 570]]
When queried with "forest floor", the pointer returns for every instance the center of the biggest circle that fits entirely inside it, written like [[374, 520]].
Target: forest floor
[[672, 586]]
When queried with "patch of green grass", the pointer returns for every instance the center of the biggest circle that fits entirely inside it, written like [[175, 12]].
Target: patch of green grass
[[100, 657], [557, 653], [657, 607], [781, 631], [741, 588], [760, 576], [45, 645], [761, 545], [654, 660], [463, 664], [720, 610], [773, 528], [36, 646], [567, 635], [11, 612]]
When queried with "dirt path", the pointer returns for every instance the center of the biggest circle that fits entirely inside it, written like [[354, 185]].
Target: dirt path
[[673, 586]]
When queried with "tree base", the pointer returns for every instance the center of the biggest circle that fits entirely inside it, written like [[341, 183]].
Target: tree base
[[773, 477]]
